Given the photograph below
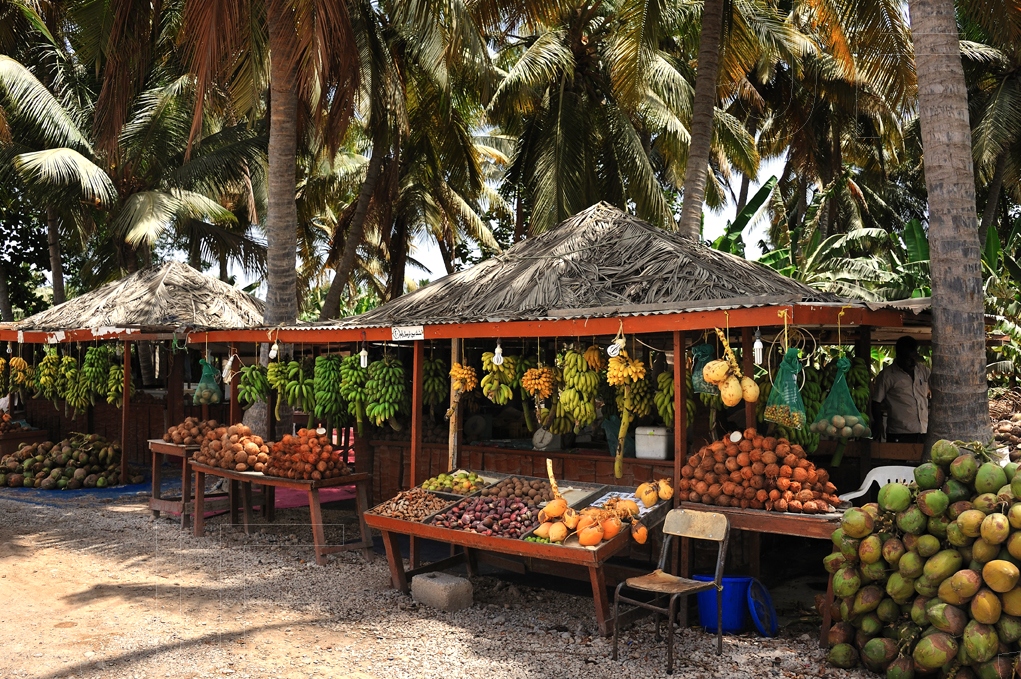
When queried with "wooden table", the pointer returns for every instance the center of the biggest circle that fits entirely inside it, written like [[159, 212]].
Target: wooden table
[[594, 561], [757, 521], [183, 505], [360, 481], [12, 440]]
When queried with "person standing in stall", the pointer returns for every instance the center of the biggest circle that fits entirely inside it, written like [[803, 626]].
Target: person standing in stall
[[901, 392]]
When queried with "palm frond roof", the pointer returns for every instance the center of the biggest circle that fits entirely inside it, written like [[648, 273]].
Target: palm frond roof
[[169, 297]]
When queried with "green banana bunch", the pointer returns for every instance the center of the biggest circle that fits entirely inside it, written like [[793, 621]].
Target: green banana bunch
[[115, 385], [436, 385], [562, 421], [578, 375], [253, 385], [765, 387], [300, 388], [352, 388], [79, 395], [664, 399], [47, 375], [276, 375], [326, 380], [95, 371], [384, 389], [496, 385], [66, 375], [581, 410], [638, 399]]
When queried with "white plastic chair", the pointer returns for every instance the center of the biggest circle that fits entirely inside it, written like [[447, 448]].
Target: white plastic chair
[[882, 475]]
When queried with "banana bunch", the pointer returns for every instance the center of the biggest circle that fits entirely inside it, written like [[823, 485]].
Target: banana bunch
[[384, 389], [79, 394], [808, 440], [95, 371], [858, 379], [67, 375], [253, 385], [594, 358], [4, 378], [812, 392], [352, 387], [46, 376], [664, 399], [20, 375], [436, 389], [539, 382], [300, 388], [579, 375], [580, 409], [115, 385], [496, 385], [326, 381], [621, 370], [765, 388], [638, 398], [562, 421], [463, 378]]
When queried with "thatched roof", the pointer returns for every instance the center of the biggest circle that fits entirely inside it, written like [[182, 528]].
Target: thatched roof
[[170, 297], [601, 262]]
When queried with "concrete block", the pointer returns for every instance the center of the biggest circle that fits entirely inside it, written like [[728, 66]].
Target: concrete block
[[442, 590]]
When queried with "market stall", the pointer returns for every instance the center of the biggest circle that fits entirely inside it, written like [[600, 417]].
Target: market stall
[[81, 364]]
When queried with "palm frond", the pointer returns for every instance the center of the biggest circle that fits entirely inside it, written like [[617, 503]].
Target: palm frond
[[64, 167]]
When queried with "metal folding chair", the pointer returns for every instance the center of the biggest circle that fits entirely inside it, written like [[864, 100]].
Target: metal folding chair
[[683, 523]]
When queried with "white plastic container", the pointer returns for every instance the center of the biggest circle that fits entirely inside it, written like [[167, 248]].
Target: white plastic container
[[651, 443]]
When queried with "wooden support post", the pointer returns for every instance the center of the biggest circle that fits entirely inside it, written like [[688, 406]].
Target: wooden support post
[[863, 348], [680, 407], [175, 389], [453, 440], [125, 410], [748, 368], [234, 414], [417, 380]]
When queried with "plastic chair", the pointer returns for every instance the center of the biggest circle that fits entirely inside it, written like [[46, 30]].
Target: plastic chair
[[882, 475], [685, 523]]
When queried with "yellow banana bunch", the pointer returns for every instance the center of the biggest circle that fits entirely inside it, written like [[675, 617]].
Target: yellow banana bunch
[[463, 378], [4, 378], [496, 385], [20, 373], [352, 387], [539, 381], [622, 370], [384, 389], [66, 375], [582, 385], [594, 358], [436, 389], [46, 377]]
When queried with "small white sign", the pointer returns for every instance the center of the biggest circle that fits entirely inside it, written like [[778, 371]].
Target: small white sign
[[408, 332]]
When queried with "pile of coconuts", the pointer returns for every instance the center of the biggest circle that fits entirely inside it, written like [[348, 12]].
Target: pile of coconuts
[[79, 461], [926, 579]]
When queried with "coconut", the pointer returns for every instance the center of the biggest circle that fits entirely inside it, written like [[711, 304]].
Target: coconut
[[934, 651], [870, 625], [1011, 602], [555, 508], [856, 523], [987, 503], [1010, 469], [986, 607], [543, 530], [980, 640], [956, 536], [874, 572], [878, 653], [846, 582], [995, 528], [894, 497], [1000, 575], [918, 613], [833, 562], [911, 565], [730, 391], [928, 476], [927, 545], [557, 532], [900, 588], [1000, 667], [867, 599], [989, 478], [942, 565], [937, 525], [893, 550], [947, 618], [648, 493], [910, 542], [843, 656], [870, 550], [932, 502], [1008, 628], [926, 587], [984, 552], [901, 668], [958, 507], [1014, 513], [1005, 555], [849, 548], [944, 452], [840, 633], [964, 468], [960, 587], [888, 610], [970, 522], [912, 520]]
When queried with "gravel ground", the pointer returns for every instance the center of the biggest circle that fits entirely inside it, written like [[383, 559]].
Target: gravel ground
[[104, 590]]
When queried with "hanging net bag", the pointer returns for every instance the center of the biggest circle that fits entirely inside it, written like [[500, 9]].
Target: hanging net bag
[[785, 406], [839, 417], [208, 391], [702, 354]]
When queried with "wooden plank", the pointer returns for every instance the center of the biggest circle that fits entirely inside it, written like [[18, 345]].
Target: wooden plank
[[819, 526]]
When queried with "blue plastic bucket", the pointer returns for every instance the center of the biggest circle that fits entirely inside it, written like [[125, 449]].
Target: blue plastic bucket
[[735, 604]]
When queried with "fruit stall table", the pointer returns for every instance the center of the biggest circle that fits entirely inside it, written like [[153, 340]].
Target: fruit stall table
[[360, 481], [12, 440], [184, 504], [548, 558], [756, 521]]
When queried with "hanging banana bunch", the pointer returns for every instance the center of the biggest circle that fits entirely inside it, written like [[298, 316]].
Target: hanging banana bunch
[[20, 374], [5, 381], [581, 384], [384, 389], [253, 385], [352, 388], [623, 372], [525, 363], [664, 398], [496, 385], [95, 371], [115, 385], [79, 394], [66, 375], [329, 402], [462, 381], [276, 375], [595, 359], [300, 387], [436, 389]]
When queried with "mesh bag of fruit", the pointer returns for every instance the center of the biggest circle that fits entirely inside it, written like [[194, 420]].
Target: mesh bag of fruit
[[702, 354], [838, 417], [207, 391], [785, 406]]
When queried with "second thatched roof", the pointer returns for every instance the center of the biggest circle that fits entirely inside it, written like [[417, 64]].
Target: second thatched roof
[[601, 262], [166, 298]]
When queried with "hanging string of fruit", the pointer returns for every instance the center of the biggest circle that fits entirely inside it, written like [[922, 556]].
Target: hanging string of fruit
[[726, 374], [664, 398], [326, 378], [79, 394], [497, 383], [66, 375], [46, 376], [539, 382], [300, 388], [352, 388], [623, 372], [595, 358], [5, 383], [435, 388], [276, 375], [525, 363], [581, 384], [20, 374], [95, 371], [253, 385], [114, 389], [384, 389]]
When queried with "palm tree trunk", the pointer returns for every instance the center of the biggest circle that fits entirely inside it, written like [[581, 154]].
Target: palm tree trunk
[[702, 113], [448, 261], [742, 196], [331, 305], [6, 312], [282, 211], [993, 199], [56, 263], [398, 258], [224, 274], [959, 410]]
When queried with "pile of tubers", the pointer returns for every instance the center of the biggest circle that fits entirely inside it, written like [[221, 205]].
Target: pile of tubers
[[191, 432], [233, 447]]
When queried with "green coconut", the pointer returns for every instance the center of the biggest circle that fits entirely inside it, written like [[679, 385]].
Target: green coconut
[[901, 668], [965, 552], [926, 587], [856, 523], [958, 507], [987, 503], [947, 618], [1014, 545], [840, 633], [894, 497], [846, 582], [944, 452], [833, 562], [980, 640], [934, 651], [986, 607], [918, 614], [837, 536], [910, 541], [1005, 555], [928, 476], [874, 572], [911, 565], [927, 545], [956, 491], [970, 522], [912, 520], [893, 550], [870, 625], [867, 599], [899, 588], [888, 610], [870, 550], [1000, 667], [1008, 628], [983, 552], [843, 656], [849, 548], [932, 502], [1010, 469], [878, 653], [937, 525], [956, 536], [941, 566], [964, 468], [989, 478], [995, 528]]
